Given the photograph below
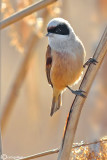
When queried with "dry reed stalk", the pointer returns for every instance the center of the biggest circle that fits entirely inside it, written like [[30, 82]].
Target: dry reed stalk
[[53, 151], [49, 152], [0, 144], [75, 110], [10, 100], [25, 12]]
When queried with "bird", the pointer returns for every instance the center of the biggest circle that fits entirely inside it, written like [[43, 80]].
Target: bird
[[65, 57]]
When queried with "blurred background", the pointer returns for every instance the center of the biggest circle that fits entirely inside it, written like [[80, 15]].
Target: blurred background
[[25, 94]]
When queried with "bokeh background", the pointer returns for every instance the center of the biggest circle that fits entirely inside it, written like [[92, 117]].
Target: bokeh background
[[28, 127]]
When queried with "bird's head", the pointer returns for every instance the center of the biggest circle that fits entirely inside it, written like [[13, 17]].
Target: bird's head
[[58, 31]]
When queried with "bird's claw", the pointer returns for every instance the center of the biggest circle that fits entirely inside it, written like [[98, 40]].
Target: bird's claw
[[90, 61], [79, 93]]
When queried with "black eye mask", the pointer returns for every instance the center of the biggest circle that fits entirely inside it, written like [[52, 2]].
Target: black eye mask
[[61, 29]]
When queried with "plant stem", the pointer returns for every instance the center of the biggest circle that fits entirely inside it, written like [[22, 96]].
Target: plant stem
[[77, 105]]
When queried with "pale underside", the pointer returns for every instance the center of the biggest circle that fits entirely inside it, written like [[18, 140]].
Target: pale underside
[[66, 69]]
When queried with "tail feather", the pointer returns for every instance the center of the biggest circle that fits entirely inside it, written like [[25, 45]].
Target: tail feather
[[56, 103]]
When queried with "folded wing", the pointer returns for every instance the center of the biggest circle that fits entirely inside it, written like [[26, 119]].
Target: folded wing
[[48, 64]]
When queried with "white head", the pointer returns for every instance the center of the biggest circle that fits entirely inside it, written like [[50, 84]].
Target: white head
[[60, 35]]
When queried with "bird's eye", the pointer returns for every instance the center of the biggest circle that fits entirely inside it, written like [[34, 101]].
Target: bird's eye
[[58, 31], [61, 29]]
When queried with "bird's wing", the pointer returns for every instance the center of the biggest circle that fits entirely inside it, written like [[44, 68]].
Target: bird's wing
[[48, 64]]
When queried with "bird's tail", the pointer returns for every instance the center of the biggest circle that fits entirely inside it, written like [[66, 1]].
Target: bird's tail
[[56, 103]]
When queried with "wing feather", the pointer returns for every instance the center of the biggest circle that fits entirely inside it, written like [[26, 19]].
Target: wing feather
[[48, 64]]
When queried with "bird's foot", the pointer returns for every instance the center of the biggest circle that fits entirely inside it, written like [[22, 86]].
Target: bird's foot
[[90, 61], [77, 92]]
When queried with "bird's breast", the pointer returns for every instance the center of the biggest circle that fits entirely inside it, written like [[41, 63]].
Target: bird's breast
[[66, 68]]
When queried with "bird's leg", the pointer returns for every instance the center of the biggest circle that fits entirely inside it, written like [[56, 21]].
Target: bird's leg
[[90, 61], [77, 92]]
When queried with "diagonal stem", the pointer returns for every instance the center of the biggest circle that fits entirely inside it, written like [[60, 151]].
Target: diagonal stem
[[53, 151], [10, 100], [20, 76], [25, 12], [0, 144], [77, 105]]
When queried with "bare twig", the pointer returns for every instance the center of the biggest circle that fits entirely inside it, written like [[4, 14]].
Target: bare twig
[[87, 144], [0, 145], [25, 12], [74, 114], [53, 151], [40, 154], [17, 82]]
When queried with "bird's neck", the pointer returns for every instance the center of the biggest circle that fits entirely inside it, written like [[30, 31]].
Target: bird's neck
[[63, 45]]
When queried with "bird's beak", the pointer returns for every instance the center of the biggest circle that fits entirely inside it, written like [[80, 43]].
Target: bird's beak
[[47, 34]]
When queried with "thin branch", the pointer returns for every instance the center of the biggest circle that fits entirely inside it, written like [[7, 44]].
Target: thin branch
[[25, 12], [53, 151], [75, 110], [87, 144], [0, 144], [40, 154], [10, 100]]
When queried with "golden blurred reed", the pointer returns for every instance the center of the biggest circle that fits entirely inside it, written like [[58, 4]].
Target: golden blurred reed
[[20, 33], [96, 151]]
